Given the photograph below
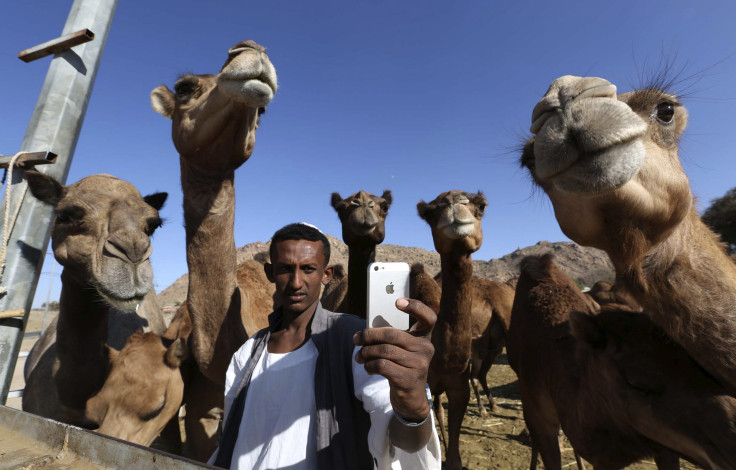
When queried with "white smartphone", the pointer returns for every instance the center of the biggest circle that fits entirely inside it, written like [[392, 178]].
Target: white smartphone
[[387, 282]]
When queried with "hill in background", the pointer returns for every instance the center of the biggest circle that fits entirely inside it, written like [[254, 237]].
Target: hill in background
[[584, 265]]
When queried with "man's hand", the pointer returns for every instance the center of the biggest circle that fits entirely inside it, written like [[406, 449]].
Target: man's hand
[[402, 357]]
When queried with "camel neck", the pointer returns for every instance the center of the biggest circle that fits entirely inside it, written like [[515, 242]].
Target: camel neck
[[452, 335], [359, 259], [456, 301], [81, 333], [213, 297], [687, 284]]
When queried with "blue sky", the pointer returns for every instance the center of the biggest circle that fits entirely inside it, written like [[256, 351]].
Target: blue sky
[[415, 97]]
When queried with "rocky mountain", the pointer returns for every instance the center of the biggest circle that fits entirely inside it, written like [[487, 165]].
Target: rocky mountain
[[585, 265]]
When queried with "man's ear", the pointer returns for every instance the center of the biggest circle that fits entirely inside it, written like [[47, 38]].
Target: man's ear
[[268, 269], [327, 276]]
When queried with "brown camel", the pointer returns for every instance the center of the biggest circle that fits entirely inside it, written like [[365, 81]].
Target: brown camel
[[363, 218], [100, 236], [618, 387], [609, 164], [491, 314], [214, 121], [455, 220]]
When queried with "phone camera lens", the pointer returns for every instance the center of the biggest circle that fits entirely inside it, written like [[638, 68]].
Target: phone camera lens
[[375, 268]]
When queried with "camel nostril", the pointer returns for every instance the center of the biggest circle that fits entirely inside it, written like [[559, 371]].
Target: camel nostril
[[133, 252]]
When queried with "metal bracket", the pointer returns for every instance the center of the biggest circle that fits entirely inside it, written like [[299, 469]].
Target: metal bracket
[[56, 45], [29, 159]]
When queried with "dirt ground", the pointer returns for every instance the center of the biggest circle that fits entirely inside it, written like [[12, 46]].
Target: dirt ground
[[497, 442]]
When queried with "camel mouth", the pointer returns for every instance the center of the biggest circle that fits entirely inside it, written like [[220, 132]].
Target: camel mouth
[[253, 92], [602, 171], [459, 230], [124, 304], [362, 230]]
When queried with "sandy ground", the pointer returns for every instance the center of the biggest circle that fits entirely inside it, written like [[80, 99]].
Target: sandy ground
[[497, 442]]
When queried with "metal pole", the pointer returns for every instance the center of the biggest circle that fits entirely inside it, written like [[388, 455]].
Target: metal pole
[[55, 126], [48, 298]]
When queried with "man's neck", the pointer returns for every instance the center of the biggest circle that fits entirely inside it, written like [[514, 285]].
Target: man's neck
[[293, 331]]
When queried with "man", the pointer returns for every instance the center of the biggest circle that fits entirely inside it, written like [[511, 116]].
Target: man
[[317, 390]]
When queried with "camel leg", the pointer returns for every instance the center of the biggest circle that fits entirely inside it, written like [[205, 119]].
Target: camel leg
[[439, 413], [581, 464], [535, 457], [544, 427], [475, 370], [458, 396], [485, 369], [667, 460], [204, 402]]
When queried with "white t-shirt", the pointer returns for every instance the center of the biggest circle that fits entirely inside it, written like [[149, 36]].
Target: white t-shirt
[[278, 429]]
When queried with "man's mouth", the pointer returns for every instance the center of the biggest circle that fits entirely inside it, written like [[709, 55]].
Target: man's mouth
[[297, 297]]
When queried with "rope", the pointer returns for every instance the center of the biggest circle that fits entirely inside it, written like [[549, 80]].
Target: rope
[[8, 222]]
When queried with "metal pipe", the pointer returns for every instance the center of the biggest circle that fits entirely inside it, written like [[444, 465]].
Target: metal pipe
[[55, 126]]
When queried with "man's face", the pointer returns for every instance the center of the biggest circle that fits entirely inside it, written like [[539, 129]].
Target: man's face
[[298, 270]]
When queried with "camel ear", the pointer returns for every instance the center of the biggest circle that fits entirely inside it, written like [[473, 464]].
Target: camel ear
[[423, 209], [45, 188], [163, 101], [335, 200], [387, 197], [156, 200], [585, 329], [176, 353], [112, 353], [268, 269]]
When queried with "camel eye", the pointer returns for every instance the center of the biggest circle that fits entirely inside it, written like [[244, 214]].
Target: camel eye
[[665, 112], [70, 215], [184, 88], [152, 225]]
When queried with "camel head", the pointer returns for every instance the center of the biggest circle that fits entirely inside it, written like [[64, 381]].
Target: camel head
[[609, 162], [101, 234], [143, 391], [455, 219], [363, 217], [215, 117], [669, 398]]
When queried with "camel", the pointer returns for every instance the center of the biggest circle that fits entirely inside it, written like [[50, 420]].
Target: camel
[[214, 121], [491, 314], [363, 218], [100, 236], [609, 164], [617, 385], [144, 389], [455, 220]]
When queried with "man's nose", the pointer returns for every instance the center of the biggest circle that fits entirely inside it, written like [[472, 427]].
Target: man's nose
[[296, 279]]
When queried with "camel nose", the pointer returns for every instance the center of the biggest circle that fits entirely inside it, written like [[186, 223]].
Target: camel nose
[[128, 247], [566, 89]]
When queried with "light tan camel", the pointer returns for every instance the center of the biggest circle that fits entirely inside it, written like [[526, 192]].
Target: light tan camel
[[214, 121], [100, 236], [363, 218], [617, 385], [491, 314], [609, 164], [144, 389], [455, 220]]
